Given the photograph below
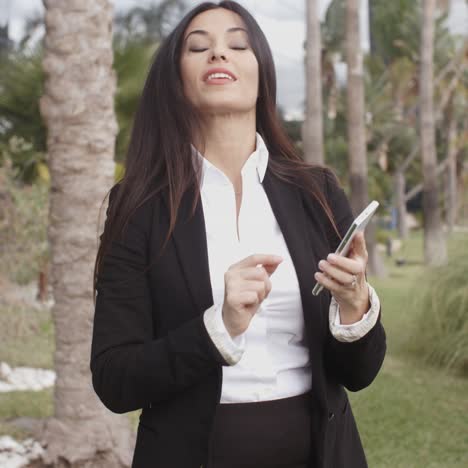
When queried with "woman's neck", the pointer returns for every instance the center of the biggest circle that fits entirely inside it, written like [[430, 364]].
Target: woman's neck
[[230, 140]]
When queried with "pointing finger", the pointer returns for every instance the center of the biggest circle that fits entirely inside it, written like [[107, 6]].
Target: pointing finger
[[269, 262]]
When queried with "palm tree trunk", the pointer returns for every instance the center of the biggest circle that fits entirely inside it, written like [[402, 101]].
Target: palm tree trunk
[[400, 202], [312, 130], [451, 174], [435, 250], [78, 108], [359, 198]]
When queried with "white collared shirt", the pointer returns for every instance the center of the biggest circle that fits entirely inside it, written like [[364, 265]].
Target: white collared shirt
[[270, 359]]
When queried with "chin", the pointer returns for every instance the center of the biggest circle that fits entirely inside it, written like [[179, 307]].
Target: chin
[[226, 105]]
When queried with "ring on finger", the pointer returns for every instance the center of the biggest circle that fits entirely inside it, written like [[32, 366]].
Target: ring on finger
[[353, 282]]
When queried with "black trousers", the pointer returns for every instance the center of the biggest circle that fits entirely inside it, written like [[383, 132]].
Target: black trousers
[[265, 434]]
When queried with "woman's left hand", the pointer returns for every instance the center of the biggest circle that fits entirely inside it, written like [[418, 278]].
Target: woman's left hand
[[340, 273]]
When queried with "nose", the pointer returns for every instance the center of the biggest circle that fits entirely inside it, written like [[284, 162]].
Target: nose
[[218, 53]]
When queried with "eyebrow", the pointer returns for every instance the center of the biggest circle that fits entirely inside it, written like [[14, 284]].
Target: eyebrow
[[206, 33]]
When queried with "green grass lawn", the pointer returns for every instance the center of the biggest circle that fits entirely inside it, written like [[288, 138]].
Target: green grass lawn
[[412, 416]]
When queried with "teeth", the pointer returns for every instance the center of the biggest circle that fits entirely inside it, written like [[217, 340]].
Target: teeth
[[220, 75]]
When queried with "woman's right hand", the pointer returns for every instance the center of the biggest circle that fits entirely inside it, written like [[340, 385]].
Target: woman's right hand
[[245, 287]]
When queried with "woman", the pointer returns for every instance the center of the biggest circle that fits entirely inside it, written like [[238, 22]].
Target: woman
[[204, 315]]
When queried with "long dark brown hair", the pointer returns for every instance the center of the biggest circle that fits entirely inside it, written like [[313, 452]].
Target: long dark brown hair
[[159, 155]]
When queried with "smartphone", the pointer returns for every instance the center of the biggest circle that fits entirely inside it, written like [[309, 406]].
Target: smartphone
[[359, 224]]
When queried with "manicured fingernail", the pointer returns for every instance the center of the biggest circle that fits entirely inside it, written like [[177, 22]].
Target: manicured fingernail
[[331, 257]]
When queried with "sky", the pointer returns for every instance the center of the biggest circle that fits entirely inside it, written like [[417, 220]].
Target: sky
[[281, 20]]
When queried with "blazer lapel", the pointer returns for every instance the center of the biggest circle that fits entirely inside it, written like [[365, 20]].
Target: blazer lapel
[[191, 245], [286, 203]]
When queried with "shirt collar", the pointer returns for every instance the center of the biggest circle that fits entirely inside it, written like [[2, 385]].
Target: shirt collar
[[257, 161]]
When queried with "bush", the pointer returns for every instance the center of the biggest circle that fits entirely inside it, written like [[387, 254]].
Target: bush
[[24, 249], [440, 302]]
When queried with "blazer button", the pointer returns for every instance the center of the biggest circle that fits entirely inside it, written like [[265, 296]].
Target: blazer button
[[331, 415]]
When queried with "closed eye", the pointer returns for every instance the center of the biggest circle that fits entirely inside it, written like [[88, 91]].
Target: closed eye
[[202, 50]]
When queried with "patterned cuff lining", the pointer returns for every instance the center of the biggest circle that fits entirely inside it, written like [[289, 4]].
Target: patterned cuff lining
[[354, 331], [230, 348]]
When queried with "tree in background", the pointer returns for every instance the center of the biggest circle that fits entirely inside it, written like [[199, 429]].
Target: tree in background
[[392, 86], [312, 132], [149, 23], [453, 92], [451, 175], [393, 96], [22, 131], [137, 34], [357, 143], [435, 249], [78, 108]]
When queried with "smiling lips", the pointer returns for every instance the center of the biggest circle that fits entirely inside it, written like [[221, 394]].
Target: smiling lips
[[219, 76]]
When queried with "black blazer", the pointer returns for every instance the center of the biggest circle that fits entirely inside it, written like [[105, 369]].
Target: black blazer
[[151, 350]]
